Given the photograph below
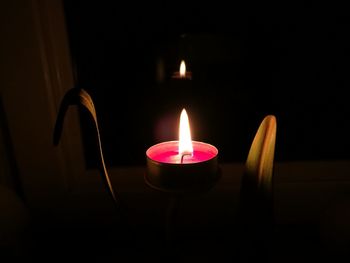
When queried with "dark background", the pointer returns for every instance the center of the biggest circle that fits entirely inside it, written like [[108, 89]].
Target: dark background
[[247, 61]]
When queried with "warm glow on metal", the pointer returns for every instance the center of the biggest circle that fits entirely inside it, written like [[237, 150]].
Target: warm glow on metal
[[185, 140], [182, 69]]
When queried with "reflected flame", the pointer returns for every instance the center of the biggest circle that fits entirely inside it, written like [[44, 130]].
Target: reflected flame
[[185, 140], [182, 69]]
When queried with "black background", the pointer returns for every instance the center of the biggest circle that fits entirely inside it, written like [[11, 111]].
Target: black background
[[247, 61]]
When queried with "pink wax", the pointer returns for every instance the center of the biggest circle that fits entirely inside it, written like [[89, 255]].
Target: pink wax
[[167, 152]]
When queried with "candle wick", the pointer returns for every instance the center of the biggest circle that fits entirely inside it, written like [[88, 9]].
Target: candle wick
[[183, 155]]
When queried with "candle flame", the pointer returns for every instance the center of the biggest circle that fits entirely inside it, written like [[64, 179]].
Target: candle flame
[[182, 69], [185, 140]]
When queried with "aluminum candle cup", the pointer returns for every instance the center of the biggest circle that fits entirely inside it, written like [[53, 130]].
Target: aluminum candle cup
[[170, 171]]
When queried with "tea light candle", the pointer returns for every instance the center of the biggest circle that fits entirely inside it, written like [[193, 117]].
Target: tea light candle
[[182, 165], [182, 73]]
